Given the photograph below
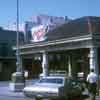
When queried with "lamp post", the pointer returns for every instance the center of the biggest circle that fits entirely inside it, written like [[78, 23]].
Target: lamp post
[[18, 62], [17, 84]]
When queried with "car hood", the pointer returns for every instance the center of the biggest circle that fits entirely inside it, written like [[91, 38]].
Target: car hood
[[43, 87]]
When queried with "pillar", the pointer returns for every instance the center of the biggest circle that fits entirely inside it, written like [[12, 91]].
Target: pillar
[[45, 64], [69, 67], [94, 59]]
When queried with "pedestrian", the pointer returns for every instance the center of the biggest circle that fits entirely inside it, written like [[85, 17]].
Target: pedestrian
[[92, 84]]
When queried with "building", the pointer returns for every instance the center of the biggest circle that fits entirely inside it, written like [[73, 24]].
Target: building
[[73, 46], [7, 55], [8, 41], [39, 22]]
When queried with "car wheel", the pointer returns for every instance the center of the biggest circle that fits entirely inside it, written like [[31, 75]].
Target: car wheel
[[38, 98], [59, 99]]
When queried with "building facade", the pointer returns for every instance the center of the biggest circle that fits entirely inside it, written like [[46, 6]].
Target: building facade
[[34, 29], [73, 47], [8, 41], [7, 55]]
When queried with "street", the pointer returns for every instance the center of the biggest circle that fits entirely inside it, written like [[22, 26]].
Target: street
[[13, 98], [5, 94]]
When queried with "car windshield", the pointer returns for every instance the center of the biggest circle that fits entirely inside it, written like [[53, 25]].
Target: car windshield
[[51, 80]]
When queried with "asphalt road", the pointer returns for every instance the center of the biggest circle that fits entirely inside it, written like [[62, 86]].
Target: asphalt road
[[4, 86], [13, 98]]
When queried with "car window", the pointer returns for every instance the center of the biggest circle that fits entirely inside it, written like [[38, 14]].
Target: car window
[[51, 80], [71, 81]]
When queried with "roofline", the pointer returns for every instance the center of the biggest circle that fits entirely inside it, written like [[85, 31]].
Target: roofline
[[55, 42]]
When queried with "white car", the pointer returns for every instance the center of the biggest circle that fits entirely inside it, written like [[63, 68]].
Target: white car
[[54, 87], [46, 87]]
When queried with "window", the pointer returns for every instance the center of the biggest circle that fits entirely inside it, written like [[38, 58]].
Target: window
[[51, 80], [3, 49]]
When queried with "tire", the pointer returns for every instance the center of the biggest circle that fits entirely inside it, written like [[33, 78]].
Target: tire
[[38, 98]]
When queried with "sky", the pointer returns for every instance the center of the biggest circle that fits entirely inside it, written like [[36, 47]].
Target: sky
[[71, 8]]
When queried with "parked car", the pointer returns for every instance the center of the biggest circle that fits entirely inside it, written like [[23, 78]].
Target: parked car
[[54, 87]]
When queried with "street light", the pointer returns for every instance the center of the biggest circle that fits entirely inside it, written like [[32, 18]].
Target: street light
[[18, 62], [17, 83]]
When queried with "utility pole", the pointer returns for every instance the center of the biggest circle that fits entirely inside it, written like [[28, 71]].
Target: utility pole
[[18, 82], [17, 40]]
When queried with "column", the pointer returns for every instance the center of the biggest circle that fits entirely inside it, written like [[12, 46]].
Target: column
[[94, 59], [69, 67], [45, 64]]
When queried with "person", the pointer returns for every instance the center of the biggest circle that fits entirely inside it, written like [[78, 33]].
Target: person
[[92, 84]]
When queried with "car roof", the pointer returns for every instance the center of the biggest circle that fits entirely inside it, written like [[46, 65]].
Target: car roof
[[54, 77]]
